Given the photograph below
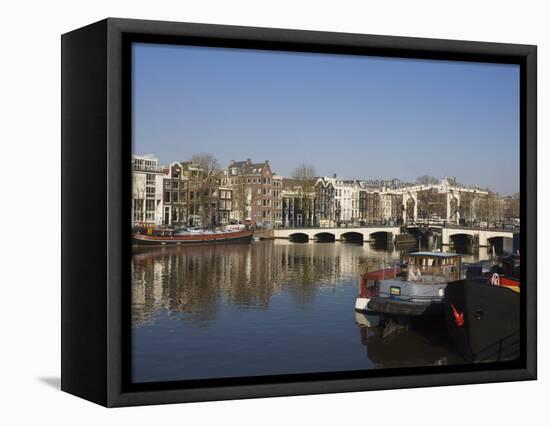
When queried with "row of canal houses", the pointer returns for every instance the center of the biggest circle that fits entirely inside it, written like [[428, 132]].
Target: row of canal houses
[[189, 194]]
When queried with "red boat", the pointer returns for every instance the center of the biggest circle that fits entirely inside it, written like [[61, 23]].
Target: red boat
[[173, 238]]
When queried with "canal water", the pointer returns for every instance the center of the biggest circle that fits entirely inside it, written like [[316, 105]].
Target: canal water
[[265, 308]]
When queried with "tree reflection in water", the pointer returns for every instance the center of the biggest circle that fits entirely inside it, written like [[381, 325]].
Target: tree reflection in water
[[197, 279], [269, 307]]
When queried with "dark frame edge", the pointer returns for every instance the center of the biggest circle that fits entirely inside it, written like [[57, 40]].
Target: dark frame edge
[[115, 220], [125, 399], [398, 44], [530, 206], [83, 272]]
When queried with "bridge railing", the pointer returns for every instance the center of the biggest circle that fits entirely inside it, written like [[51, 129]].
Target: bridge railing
[[484, 228], [451, 225], [337, 227]]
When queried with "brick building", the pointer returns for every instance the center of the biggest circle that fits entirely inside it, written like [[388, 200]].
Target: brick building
[[257, 194]]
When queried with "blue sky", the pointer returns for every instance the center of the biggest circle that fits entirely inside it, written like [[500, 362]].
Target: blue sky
[[360, 117]]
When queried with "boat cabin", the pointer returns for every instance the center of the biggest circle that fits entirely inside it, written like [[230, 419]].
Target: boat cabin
[[431, 267]]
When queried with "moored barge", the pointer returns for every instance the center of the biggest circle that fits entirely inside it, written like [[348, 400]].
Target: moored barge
[[173, 238], [416, 288]]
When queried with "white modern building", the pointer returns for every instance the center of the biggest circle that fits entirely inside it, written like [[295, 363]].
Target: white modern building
[[147, 181]]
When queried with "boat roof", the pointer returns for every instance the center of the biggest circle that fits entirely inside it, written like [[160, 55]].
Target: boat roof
[[432, 254]]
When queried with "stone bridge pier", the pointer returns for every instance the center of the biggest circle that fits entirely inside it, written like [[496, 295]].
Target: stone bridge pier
[[480, 237]]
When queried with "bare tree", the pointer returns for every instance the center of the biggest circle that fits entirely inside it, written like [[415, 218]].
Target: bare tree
[[491, 208], [513, 211], [427, 180], [304, 172], [207, 161], [208, 186]]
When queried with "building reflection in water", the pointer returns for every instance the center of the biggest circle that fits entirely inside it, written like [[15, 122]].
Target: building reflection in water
[[196, 280], [269, 307]]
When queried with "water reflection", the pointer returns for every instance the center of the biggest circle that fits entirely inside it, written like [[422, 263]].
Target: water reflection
[[196, 279], [270, 307], [414, 345]]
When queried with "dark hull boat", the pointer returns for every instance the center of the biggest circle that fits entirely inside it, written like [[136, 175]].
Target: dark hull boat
[[483, 319], [193, 238]]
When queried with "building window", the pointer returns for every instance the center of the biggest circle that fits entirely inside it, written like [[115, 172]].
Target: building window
[[138, 210], [150, 192], [167, 197]]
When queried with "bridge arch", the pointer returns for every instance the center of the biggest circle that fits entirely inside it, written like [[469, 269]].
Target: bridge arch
[[501, 243], [298, 237], [461, 238], [381, 237], [325, 237], [352, 237]]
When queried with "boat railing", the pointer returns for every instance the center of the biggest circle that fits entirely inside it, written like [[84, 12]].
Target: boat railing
[[387, 271], [506, 348]]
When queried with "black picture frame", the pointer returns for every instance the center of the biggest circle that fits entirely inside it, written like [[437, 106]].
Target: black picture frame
[[96, 135]]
